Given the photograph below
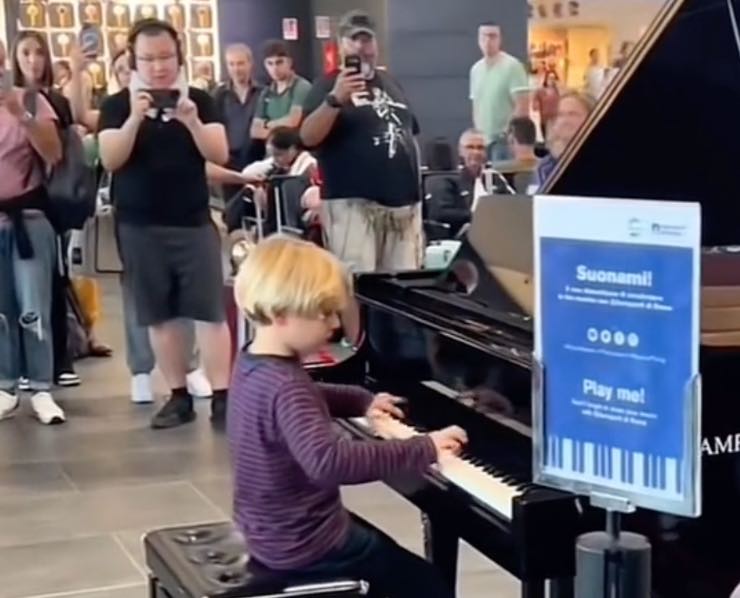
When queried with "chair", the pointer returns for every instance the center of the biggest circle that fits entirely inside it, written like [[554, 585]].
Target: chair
[[212, 561]]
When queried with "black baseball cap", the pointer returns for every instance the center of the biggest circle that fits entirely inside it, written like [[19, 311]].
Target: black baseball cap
[[355, 22]]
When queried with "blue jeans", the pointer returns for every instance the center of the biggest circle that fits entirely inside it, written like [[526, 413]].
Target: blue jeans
[[139, 354], [26, 343]]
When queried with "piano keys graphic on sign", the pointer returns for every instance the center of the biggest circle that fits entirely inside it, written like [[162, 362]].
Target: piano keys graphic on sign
[[630, 470]]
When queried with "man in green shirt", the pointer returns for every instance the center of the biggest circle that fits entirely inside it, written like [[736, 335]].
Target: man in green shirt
[[281, 103], [498, 90]]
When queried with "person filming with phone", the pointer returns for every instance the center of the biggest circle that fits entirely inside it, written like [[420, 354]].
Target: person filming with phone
[[363, 131], [29, 143], [156, 138]]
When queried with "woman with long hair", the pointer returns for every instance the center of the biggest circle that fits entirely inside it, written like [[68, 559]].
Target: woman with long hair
[[32, 70], [29, 142], [546, 100]]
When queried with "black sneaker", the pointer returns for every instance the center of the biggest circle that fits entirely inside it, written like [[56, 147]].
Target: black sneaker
[[218, 412], [175, 412]]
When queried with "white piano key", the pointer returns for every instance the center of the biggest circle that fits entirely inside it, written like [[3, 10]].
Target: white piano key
[[567, 454], [589, 455], [487, 488], [616, 465], [638, 463], [671, 475]]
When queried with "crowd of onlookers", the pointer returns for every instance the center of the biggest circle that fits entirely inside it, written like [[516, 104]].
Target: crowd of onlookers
[[341, 150]]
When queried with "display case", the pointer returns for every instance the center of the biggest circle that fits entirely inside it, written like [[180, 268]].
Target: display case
[[60, 22]]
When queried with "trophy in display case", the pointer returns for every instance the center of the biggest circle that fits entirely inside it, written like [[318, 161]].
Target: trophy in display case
[[201, 45], [146, 11], [175, 15], [201, 16], [91, 12], [61, 42], [117, 41], [32, 14], [96, 69], [118, 15], [61, 15]]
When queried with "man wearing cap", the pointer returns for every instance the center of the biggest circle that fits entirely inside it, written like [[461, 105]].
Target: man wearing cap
[[363, 131]]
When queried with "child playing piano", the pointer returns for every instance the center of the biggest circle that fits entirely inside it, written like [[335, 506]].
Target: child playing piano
[[288, 460]]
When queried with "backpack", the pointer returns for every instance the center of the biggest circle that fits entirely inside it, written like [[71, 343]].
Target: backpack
[[71, 183]]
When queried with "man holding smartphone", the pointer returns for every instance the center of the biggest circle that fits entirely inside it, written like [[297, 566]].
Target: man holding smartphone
[[156, 137], [363, 130]]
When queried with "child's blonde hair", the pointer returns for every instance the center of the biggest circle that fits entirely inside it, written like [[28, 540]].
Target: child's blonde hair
[[284, 276]]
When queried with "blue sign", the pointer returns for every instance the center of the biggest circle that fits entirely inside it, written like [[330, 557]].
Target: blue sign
[[617, 336]]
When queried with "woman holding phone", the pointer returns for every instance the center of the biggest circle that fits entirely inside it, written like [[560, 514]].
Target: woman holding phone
[[32, 70], [28, 243]]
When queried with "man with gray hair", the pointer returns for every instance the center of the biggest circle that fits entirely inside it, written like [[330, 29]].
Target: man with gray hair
[[451, 199], [236, 101]]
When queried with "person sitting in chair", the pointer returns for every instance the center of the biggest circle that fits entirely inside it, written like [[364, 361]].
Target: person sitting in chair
[[291, 168], [451, 199]]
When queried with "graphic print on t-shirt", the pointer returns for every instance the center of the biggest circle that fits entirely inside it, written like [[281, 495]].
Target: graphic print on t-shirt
[[385, 108]]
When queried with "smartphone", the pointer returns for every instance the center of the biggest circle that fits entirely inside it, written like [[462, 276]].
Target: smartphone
[[353, 63], [163, 99], [90, 41]]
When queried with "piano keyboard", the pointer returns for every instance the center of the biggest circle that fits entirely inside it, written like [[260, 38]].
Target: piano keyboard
[[494, 489], [600, 464]]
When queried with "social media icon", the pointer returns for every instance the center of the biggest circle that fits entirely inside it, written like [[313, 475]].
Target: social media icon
[[606, 337], [633, 340], [619, 338], [592, 335]]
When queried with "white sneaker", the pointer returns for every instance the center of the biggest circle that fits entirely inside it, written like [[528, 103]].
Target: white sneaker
[[198, 384], [46, 410], [141, 389], [8, 404]]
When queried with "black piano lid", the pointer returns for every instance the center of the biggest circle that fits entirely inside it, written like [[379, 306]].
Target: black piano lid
[[495, 261], [669, 126]]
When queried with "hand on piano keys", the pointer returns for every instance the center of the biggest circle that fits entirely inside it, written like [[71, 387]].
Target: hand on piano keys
[[491, 487], [385, 405]]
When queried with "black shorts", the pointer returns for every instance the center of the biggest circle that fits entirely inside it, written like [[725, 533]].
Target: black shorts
[[175, 272]]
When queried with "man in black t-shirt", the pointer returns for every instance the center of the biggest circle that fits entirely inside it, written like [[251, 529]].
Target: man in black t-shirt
[[156, 137], [363, 131]]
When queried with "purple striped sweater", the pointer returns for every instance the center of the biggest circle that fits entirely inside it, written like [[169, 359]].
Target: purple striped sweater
[[289, 461]]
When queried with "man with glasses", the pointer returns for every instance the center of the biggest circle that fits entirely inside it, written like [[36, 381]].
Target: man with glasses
[[281, 103], [156, 138], [451, 199]]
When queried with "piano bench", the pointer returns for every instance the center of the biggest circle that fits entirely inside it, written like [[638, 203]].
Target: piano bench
[[211, 561]]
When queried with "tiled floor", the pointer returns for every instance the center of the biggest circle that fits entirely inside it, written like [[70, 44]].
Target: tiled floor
[[76, 499]]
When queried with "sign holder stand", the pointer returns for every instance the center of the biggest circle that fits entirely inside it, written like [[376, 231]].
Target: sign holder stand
[[612, 563]]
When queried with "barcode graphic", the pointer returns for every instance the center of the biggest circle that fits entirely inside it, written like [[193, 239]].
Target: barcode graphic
[[599, 463]]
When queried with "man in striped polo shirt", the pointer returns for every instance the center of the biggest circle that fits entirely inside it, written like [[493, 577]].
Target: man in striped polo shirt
[[288, 460]]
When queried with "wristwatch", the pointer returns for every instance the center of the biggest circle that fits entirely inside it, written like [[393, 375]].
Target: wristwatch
[[332, 101]]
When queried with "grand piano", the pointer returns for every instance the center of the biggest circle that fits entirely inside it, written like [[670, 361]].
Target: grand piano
[[457, 344]]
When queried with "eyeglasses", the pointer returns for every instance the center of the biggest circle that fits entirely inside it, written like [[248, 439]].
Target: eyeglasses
[[152, 59]]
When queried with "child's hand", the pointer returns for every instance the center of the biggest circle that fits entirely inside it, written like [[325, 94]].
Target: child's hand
[[449, 440], [384, 405]]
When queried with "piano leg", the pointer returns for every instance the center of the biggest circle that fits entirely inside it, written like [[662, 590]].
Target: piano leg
[[441, 547], [561, 588], [533, 589]]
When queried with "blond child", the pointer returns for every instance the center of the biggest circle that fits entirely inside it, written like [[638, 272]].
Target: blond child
[[288, 460]]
